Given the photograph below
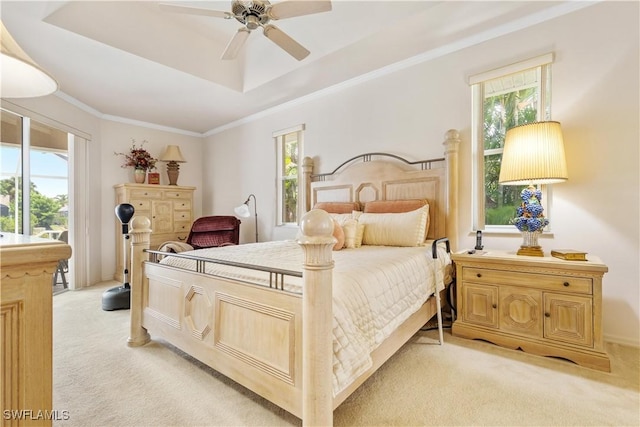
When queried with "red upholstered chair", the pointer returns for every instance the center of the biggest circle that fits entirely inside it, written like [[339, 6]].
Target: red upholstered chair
[[211, 231]]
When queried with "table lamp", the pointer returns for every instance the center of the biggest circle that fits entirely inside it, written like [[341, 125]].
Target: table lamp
[[173, 156], [533, 154]]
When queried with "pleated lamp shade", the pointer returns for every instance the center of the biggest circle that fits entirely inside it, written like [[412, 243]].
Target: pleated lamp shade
[[533, 153], [21, 76]]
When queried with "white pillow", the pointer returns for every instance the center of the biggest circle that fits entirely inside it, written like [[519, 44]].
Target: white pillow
[[353, 233], [395, 229], [340, 218]]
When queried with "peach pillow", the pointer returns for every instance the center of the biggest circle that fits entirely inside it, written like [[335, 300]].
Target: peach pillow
[[338, 233], [337, 207]]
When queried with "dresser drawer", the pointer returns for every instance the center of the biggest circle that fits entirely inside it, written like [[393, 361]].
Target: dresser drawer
[[141, 205], [182, 216], [535, 280], [145, 194], [182, 195], [182, 227], [182, 205]]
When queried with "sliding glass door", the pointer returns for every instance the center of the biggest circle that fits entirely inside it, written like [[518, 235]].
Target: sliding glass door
[[34, 181]]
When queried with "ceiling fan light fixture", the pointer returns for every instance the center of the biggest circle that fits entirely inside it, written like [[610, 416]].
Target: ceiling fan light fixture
[[252, 22]]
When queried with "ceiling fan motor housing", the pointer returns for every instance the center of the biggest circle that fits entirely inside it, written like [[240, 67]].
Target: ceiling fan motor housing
[[251, 13]]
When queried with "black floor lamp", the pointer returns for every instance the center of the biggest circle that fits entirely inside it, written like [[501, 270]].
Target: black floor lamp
[[119, 298]]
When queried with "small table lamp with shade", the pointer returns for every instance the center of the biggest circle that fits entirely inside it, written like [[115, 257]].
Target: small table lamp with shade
[[533, 154], [173, 156]]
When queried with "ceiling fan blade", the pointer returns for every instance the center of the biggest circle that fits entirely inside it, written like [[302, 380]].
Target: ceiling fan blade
[[235, 44], [291, 46], [195, 11], [289, 9]]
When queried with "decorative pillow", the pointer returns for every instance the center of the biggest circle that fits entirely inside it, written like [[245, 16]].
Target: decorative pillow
[[395, 229], [338, 233], [397, 206], [341, 218], [353, 233], [337, 207]]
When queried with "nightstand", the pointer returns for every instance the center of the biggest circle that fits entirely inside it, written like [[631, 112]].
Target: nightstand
[[541, 305]]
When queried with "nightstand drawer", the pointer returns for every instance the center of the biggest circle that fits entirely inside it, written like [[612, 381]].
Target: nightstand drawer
[[539, 281]]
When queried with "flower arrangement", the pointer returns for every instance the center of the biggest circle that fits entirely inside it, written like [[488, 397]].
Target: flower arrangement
[[530, 212], [138, 157]]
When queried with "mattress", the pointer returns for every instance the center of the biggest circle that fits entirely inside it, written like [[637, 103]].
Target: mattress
[[375, 289]]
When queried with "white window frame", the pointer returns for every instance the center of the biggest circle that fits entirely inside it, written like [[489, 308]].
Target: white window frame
[[543, 64], [280, 139]]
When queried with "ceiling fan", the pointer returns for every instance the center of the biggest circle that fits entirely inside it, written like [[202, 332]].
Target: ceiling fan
[[258, 13]]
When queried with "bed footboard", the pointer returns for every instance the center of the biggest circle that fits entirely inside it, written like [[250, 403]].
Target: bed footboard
[[252, 335]]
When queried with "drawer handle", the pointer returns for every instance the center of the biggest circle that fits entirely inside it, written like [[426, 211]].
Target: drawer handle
[[565, 284], [547, 315], [494, 305], [181, 238], [479, 275]]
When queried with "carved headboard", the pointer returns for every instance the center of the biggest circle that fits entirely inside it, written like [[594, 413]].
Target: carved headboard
[[382, 176]]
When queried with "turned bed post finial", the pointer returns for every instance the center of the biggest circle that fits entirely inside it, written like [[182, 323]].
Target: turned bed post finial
[[140, 234], [451, 144], [307, 171], [316, 240]]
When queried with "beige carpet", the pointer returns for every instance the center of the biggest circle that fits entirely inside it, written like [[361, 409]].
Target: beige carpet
[[102, 382]]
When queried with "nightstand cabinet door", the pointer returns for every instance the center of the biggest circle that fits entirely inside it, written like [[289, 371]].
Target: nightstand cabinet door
[[480, 305], [567, 318], [521, 311]]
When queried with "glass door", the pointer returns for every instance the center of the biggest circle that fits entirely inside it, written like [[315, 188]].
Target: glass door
[[36, 154]]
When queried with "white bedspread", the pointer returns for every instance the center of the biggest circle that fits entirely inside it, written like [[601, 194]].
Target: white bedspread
[[375, 289]]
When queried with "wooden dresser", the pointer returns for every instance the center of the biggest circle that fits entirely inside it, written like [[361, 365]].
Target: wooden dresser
[[169, 207], [27, 265], [542, 305]]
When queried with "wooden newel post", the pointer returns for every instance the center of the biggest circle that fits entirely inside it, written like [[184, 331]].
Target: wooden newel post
[[317, 242], [140, 234], [451, 145]]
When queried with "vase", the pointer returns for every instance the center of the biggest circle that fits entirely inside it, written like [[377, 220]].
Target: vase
[[139, 175], [530, 244]]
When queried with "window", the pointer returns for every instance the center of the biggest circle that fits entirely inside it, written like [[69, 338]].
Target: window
[[288, 157], [503, 98]]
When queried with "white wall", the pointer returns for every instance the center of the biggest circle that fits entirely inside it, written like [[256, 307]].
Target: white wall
[[595, 96]]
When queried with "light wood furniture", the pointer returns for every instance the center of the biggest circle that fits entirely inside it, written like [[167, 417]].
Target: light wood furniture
[[280, 344], [542, 305], [169, 207], [27, 265]]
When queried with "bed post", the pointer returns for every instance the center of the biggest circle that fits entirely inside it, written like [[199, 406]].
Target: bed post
[[451, 143], [140, 237], [307, 170], [316, 240]]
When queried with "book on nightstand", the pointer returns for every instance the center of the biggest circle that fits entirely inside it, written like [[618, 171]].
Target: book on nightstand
[[569, 254]]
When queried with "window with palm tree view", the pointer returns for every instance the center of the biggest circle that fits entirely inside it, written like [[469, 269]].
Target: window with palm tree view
[[507, 101], [289, 151]]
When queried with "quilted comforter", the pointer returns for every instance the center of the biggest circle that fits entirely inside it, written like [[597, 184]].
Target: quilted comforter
[[375, 289]]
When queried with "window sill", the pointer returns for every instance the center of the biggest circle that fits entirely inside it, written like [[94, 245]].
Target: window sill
[[508, 232]]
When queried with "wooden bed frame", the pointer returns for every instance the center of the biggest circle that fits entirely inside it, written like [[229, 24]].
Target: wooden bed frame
[[279, 344]]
